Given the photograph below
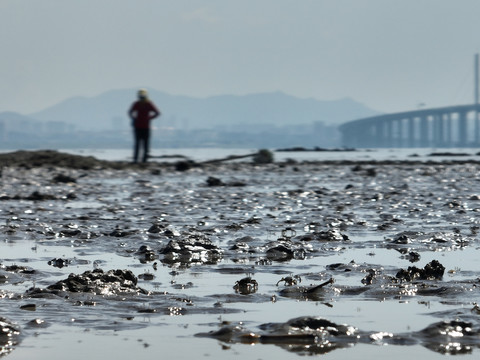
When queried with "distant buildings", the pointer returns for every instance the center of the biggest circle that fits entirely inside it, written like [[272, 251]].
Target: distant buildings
[[29, 134]]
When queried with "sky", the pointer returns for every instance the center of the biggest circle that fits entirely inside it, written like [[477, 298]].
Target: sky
[[389, 55]]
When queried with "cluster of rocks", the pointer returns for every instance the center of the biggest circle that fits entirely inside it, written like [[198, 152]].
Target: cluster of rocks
[[31, 159], [432, 271], [191, 248], [96, 282]]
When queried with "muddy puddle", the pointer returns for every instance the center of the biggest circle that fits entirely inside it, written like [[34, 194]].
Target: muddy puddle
[[236, 259]]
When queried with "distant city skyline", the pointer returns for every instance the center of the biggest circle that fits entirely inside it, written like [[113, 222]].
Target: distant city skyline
[[389, 55]]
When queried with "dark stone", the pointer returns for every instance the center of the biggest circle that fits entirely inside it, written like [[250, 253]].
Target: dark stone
[[70, 232], [192, 249], [19, 269], [281, 252], [98, 282], [184, 165], [327, 235], [37, 196], [9, 336], [413, 256], [253, 220], [62, 178], [246, 286], [240, 246], [342, 267], [71, 196], [432, 271], [43, 158], [263, 156], [60, 263], [156, 228], [121, 233], [368, 279], [146, 254], [213, 181]]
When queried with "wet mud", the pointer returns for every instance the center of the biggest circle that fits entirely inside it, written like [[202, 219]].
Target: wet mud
[[110, 242], [313, 336]]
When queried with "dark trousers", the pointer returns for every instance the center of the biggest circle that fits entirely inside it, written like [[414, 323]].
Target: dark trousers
[[142, 137]]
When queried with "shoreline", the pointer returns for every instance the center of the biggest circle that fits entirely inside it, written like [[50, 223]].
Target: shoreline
[[45, 158]]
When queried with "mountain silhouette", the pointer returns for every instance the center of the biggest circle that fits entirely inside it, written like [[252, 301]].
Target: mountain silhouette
[[109, 109]]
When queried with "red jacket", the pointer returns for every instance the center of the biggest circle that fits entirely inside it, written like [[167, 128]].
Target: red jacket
[[141, 112]]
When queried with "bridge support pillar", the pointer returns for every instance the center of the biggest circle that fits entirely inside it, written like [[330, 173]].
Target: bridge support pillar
[[400, 133], [449, 130], [388, 139], [477, 128], [379, 134], [462, 129], [424, 138], [438, 130], [411, 132]]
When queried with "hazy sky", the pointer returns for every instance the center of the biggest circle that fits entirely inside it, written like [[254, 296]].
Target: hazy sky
[[390, 55]]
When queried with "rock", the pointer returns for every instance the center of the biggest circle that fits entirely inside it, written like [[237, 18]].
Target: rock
[[368, 279], [284, 250], [412, 256], [213, 181], [312, 292], [240, 247], [343, 267], [184, 165], [191, 249], [156, 228], [246, 286], [263, 156], [70, 232], [450, 337], [327, 235], [39, 158], [146, 254], [29, 307], [19, 269], [60, 263], [432, 271], [9, 336], [122, 233], [37, 196], [97, 282], [280, 252], [62, 178]]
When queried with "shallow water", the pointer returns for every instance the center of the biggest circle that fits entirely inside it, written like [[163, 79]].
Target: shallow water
[[101, 221], [203, 154]]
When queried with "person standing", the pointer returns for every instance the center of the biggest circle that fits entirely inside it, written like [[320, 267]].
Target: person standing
[[141, 113]]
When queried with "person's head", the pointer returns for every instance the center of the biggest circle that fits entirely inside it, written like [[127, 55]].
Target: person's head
[[142, 94]]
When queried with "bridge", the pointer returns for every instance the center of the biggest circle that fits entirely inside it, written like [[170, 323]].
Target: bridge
[[452, 126]]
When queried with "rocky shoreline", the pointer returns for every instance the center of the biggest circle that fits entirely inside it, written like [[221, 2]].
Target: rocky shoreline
[[48, 158]]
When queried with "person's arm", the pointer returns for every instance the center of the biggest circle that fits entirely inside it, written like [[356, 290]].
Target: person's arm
[[154, 112]]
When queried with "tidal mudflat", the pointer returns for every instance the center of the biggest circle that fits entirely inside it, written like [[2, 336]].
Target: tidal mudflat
[[238, 259]]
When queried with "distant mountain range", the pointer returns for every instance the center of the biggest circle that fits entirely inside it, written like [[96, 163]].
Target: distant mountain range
[[109, 110]]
